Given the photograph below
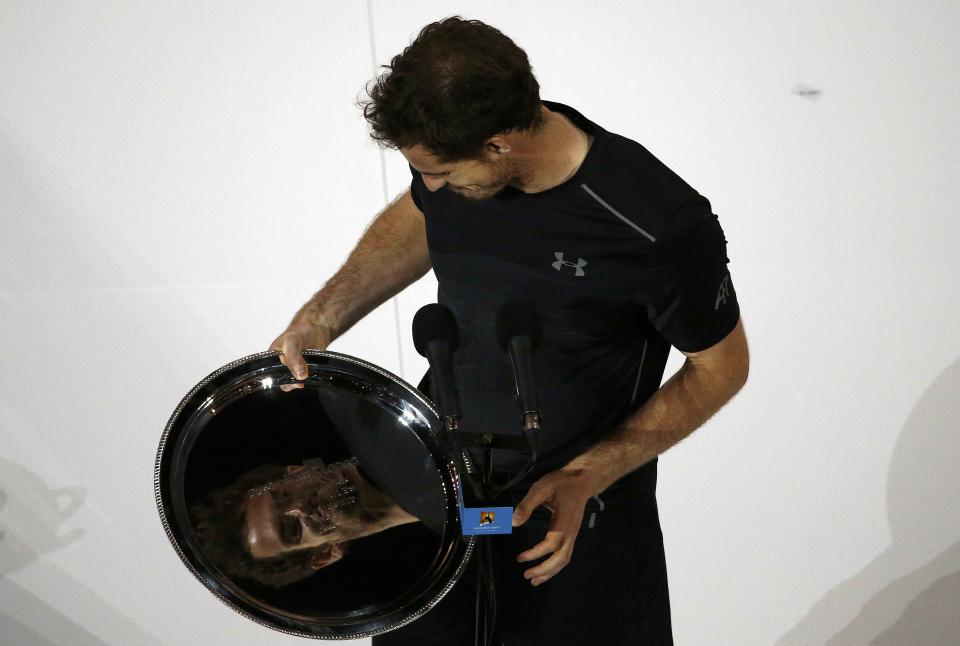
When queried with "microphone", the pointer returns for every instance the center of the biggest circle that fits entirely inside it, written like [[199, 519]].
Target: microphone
[[518, 331], [435, 335]]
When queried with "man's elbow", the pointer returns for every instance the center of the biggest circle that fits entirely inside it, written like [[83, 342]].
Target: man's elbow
[[728, 361], [740, 368], [742, 371]]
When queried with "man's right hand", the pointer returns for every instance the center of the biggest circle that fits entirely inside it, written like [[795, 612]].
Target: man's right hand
[[296, 338]]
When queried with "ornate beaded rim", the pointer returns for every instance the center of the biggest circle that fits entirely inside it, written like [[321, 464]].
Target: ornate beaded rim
[[450, 466]]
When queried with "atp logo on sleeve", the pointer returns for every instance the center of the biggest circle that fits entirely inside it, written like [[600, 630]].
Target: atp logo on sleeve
[[724, 292]]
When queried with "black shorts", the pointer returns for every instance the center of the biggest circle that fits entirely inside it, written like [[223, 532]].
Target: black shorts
[[613, 591]]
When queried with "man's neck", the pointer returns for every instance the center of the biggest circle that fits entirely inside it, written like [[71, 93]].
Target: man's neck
[[565, 148]]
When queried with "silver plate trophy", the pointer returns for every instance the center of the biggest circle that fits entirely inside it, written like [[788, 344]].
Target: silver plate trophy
[[327, 511]]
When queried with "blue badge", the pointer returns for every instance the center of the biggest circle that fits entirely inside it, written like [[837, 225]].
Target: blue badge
[[484, 520]]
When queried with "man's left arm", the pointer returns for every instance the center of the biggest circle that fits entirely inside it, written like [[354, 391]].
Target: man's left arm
[[707, 380]]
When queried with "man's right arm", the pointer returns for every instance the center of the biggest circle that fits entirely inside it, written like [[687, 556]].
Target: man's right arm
[[391, 254]]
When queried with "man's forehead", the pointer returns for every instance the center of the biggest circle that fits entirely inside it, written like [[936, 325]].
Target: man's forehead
[[425, 162]]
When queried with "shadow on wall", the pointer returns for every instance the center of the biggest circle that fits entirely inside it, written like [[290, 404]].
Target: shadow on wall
[[59, 282], [30, 519], [31, 516], [910, 594]]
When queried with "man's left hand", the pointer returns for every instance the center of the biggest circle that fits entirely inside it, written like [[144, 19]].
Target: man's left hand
[[565, 493]]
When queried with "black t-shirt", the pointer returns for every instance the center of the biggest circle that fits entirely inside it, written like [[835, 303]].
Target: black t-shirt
[[621, 260]]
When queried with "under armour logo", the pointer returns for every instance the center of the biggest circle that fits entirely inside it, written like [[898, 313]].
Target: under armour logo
[[723, 292], [578, 266]]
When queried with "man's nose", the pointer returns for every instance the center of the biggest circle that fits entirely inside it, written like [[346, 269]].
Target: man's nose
[[433, 183]]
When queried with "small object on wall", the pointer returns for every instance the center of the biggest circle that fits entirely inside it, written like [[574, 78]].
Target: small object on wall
[[807, 92]]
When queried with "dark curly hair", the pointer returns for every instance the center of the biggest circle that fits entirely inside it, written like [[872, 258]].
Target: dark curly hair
[[456, 85], [217, 520]]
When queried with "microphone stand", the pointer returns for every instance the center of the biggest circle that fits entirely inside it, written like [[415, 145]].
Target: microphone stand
[[488, 489], [486, 609], [436, 322]]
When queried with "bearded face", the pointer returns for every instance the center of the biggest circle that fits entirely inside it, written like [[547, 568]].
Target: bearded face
[[312, 507]]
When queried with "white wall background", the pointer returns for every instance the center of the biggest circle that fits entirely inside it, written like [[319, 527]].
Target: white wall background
[[177, 178]]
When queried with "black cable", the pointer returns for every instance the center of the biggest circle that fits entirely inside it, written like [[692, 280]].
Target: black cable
[[481, 618], [485, 607], [477, 607], [491, 609], [491, 590]]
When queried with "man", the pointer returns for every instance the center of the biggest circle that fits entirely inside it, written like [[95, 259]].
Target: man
[[275, 525], [514, 197]]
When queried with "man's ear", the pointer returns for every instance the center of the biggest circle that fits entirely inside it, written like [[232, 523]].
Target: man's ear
[[326, 555], [497, 145]]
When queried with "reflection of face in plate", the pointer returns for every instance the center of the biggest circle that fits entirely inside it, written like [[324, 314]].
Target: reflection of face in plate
[[312, 507], [326, 565]]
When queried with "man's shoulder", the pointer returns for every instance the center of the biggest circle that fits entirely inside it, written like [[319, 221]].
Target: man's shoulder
[[633, 184], [644, 169]]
